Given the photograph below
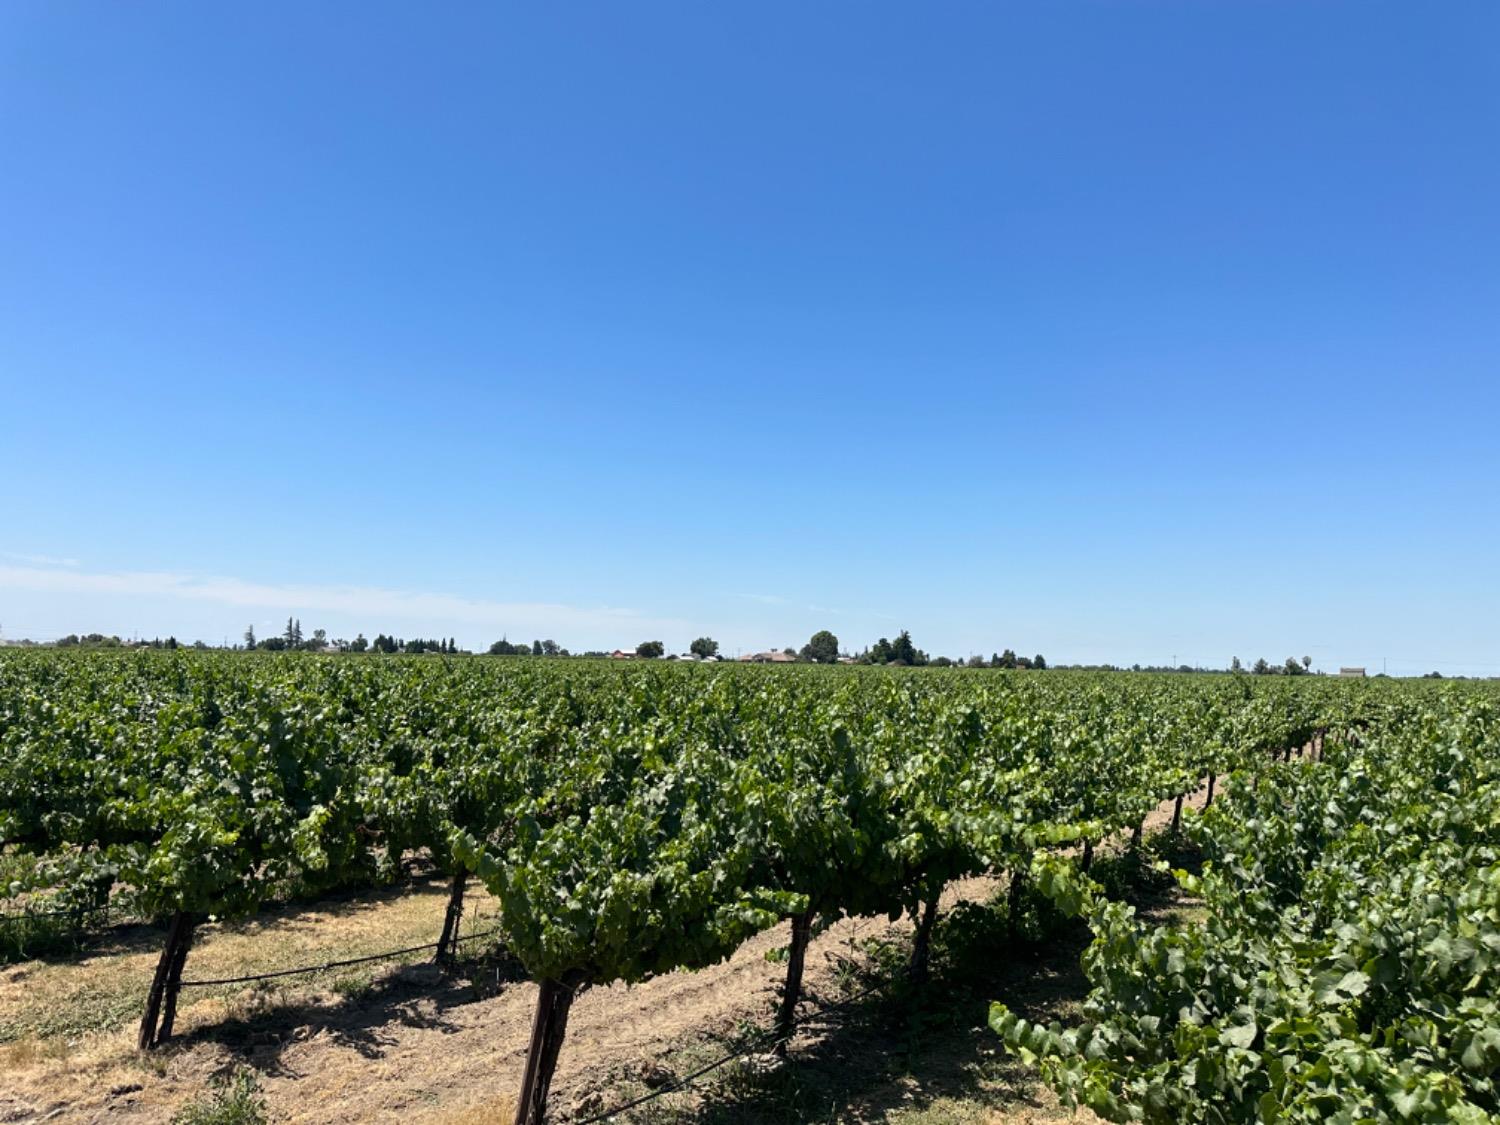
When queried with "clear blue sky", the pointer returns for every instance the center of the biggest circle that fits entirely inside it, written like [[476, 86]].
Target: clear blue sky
[[1116, 331]]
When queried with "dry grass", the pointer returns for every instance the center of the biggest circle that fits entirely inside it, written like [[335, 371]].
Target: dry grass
[[67, 1025], [486, 1112], [101, 989]]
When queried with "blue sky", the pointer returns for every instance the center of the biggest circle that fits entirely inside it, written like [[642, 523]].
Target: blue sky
[[1117, 331]]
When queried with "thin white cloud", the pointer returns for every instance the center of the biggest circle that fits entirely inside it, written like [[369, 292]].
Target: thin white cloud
[[766, 599], [38, 560], [369, 602], [778, 600]]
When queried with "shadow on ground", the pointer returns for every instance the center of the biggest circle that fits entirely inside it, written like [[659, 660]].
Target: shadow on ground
[[923, 1053], [899, 1048], [364, 1019]]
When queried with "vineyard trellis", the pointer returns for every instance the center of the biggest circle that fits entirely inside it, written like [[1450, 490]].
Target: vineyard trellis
[[629, 821]]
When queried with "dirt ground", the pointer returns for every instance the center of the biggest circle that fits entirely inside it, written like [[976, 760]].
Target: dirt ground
[[411, 1043]]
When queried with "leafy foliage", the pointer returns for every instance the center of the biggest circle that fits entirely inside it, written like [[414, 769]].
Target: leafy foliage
[[1350, 964]]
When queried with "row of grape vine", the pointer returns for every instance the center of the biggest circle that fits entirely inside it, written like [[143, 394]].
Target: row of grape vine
[[630, 821]]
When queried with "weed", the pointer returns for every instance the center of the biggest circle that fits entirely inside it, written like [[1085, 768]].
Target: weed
[[24, 936], [354, 985], [235, 1100]]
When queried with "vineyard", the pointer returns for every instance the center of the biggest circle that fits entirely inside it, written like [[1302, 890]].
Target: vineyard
[[627, 822]]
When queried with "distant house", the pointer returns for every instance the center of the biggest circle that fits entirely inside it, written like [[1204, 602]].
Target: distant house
[[1357, 673], [772, 656], [621, 654]]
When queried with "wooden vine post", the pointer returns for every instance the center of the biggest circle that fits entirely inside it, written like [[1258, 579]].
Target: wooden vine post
[[1013, 899], [549, 1027], [1177, 814], [786, 1015], [174, 983], [921, 946], [447, 947], [1211, 779], [161, 1001]]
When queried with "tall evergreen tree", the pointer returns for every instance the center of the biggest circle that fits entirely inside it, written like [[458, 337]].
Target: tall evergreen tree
[[902, 650]]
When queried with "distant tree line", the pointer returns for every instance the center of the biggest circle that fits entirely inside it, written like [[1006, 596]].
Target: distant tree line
[[390, 645], [503, 647], [1292, 667], [292, 639], [902, 651], [821, 648], [1008, 659], [90, 640], [99, 640]]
